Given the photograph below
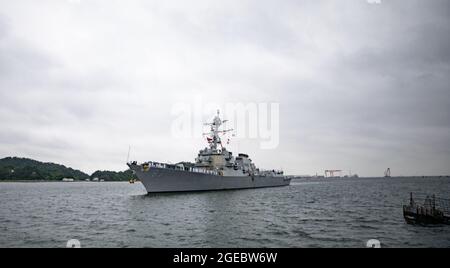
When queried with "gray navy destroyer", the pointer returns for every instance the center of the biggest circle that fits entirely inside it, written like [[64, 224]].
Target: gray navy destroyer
[[215, 168]]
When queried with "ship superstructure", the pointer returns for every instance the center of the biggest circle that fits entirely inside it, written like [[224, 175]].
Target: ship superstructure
[[215, 168]]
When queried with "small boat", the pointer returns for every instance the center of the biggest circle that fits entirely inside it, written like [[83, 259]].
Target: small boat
[[132, 181], [425, 210]]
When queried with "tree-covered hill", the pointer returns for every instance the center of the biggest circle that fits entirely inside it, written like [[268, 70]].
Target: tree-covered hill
[[113, 176], [16, 169]]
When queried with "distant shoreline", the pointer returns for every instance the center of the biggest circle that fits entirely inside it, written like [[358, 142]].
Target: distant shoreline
[[293, 178], [16, 169], [393, 177], [40, 181]]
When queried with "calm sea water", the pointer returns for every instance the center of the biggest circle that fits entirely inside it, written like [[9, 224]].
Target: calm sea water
[[309, 213]]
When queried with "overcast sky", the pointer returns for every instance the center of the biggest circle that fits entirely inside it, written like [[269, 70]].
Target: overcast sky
[[360, 86]]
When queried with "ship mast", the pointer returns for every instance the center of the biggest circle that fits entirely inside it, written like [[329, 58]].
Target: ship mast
[[213, 136]]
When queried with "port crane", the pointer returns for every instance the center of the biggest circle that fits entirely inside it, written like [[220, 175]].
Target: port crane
[[387, 173]]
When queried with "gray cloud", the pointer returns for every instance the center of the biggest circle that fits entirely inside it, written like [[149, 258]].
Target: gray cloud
[[360, 86]]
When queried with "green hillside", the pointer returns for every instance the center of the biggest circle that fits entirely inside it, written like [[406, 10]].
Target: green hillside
[[113, 176], [14, 168]]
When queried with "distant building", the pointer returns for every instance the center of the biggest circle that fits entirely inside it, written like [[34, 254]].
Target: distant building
[[68, 180]]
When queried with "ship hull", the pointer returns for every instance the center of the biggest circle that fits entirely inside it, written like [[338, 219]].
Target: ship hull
[[161, 180]]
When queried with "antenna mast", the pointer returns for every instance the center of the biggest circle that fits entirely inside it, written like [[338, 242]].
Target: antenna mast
[[213, 136]]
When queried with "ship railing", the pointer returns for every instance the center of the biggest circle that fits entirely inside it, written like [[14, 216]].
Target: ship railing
[[427, 204], [181, 168], [271, 172]]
